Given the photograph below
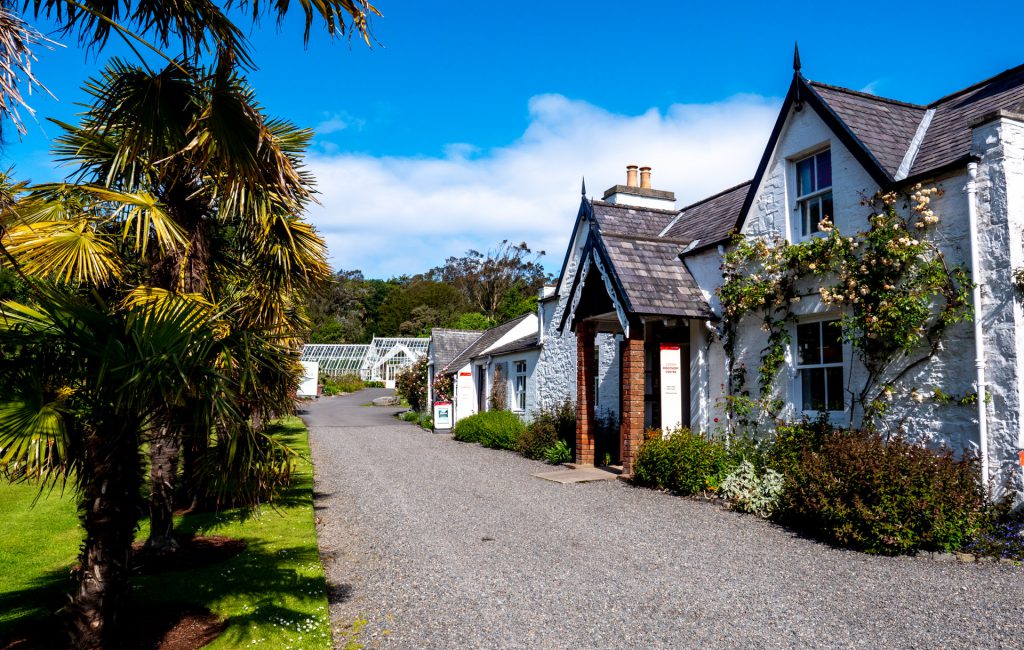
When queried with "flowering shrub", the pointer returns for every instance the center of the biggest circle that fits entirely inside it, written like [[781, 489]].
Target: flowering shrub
[[411, 384], [1003, 535], [896, 293], [750, 491], [444, 388]]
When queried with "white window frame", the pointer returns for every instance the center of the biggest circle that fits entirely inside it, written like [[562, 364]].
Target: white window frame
[[519, 392], [805, 229], [798, 384]]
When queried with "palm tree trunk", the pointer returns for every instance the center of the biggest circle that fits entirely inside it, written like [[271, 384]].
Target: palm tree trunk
[[163, 463], [110, 510]]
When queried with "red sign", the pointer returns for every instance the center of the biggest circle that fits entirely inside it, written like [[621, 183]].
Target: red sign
[[669, 346], [465, 374]]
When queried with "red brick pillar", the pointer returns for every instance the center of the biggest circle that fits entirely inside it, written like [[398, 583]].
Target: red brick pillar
[[585, 373], [631, 429]]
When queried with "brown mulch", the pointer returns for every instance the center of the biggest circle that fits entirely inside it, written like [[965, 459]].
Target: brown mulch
[[192, 553], [169, 627]]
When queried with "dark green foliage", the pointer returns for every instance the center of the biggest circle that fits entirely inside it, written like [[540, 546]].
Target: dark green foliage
[[861, 491], [410, 416], [558, 453], [494, 429], [336, 385], [473, 320], [548, 427], [682, 461], [411, 385], [790, 441]]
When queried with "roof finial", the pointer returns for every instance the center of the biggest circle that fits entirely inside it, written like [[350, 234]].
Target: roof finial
[[796, 58], [583, 188]]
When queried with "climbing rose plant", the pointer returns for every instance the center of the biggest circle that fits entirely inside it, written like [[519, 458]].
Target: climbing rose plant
[[891, 285]]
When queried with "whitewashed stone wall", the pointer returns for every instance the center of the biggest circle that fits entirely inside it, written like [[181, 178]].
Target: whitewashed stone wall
[[953, 369], [556, 367], [1000, 144]]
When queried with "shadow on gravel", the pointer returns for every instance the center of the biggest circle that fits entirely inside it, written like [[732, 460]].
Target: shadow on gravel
[[338, 593]]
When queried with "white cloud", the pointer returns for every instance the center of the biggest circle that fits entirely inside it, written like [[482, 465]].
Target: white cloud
[[333, 124], [395, 215]]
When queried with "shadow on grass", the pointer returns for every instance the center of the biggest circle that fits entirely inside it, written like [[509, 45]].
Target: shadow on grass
[[266, 585]]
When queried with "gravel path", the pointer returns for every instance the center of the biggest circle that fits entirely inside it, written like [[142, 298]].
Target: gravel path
[[439, 544]]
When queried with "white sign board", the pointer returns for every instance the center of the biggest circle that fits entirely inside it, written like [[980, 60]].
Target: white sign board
[[310, 377], [465, 394], [442, 415], [671, 387]]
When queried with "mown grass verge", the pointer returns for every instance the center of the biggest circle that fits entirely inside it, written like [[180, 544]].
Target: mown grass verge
[[272, 595]]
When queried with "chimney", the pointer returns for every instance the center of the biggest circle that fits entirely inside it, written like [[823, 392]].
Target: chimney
[[645, 178], [640, 195], [631, 176]]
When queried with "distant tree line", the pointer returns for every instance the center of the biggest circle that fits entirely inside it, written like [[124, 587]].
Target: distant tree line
[[474, 291]]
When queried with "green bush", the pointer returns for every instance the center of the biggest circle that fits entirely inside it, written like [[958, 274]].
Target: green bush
[[548, 427], [495, 429], [373, 384], [558, 453], [426, 421], [681, 461], [336, 385], [861, 491], [410, 416], [785, 449]]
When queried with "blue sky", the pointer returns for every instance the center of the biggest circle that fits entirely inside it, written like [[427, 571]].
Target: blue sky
[[472, 122]]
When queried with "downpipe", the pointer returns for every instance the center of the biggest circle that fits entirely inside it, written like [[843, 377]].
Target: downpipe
[[979, 334]]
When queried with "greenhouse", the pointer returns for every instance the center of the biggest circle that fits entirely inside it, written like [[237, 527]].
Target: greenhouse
[[380, 360]]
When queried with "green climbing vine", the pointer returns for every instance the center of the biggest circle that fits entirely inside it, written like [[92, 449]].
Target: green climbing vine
[[891, 286]]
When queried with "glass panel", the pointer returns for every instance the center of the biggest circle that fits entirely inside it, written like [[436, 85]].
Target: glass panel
[[808, 343], [824, 160], [831, 342], [813, 215], [813, 380], [826, 207], [805, 177], [834, 378]]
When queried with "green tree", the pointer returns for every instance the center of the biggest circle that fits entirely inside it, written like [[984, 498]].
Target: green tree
[[82, 382]]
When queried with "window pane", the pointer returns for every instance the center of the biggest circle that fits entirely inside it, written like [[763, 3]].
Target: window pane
[[824, 170], [826, 207], [831, 342], [813, 215], [805, 177], [808, 343], [834, 377], [813, 380]]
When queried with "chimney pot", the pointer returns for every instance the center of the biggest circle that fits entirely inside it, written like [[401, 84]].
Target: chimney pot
[[645, 178], [631, 176]]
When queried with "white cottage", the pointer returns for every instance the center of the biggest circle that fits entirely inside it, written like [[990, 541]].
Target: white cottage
[[647, 273]]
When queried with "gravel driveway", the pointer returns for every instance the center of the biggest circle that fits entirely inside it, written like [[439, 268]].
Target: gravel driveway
[[439, 544]]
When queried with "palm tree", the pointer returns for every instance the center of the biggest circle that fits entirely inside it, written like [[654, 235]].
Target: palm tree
[[187, 156], [81, 378]]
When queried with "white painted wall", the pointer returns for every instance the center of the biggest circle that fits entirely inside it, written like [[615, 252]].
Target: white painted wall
[[555, 374], [530, 357], [952, 370]]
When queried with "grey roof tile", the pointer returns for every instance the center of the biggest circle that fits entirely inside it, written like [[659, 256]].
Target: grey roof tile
[[885, 126], [446, 344], [486, 340], [712, 219]]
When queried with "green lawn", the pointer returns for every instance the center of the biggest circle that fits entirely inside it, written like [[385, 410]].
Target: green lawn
[[272, 595]]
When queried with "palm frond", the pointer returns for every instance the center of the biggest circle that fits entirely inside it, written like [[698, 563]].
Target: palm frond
[[71, 251]]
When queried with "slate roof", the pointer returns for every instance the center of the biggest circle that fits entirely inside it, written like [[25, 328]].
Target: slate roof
[[646, 222], [949, 136], [710, 220], [486, 340], [885, 126], [530, 342], [446, 344], [653, 277]]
